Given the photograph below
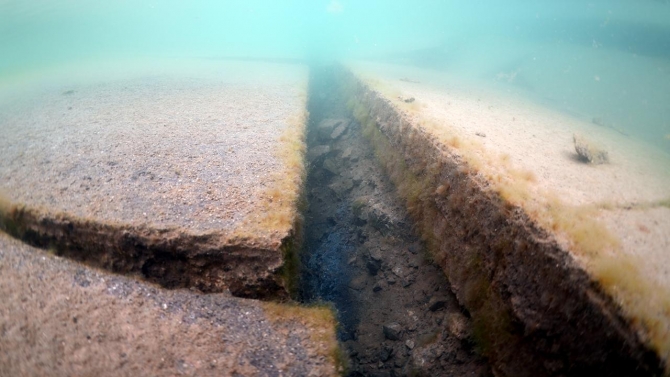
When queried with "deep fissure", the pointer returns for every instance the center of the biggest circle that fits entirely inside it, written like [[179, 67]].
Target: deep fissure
[[397, 313]]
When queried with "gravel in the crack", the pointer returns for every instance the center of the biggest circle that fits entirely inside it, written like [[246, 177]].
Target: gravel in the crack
[[396, 311]]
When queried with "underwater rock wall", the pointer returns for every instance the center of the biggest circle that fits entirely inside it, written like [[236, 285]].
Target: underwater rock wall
[[535, 312]]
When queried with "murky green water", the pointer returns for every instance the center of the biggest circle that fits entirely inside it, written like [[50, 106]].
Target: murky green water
[[602, 60]]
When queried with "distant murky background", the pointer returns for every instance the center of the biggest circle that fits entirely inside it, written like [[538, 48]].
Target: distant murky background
[[604, 61]]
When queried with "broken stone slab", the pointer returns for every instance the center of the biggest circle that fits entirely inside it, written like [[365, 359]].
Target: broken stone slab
[[60, 318], [189, 180]]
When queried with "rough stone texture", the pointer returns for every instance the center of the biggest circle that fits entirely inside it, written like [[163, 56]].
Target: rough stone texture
[[172, 176], [58, 318], [535, 311]]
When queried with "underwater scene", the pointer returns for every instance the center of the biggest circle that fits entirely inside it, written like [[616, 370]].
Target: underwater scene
[[602, 60], [335, 187]]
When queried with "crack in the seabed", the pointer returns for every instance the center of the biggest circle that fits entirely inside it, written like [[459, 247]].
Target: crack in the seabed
[[397, 313]]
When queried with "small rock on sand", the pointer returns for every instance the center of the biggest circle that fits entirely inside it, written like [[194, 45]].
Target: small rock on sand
[[589, 152]]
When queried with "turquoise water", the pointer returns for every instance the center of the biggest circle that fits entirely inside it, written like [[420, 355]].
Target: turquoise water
[[602, 60]]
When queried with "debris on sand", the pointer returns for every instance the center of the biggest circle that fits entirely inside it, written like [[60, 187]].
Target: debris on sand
[[589, 152]]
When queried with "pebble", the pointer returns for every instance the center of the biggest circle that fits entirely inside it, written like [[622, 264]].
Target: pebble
[[409, 344], [392, 331]]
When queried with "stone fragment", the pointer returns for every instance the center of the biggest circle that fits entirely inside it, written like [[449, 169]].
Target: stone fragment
[[327, 126], [358, 209], [339, 130], [342, 186], [347, 153], [589, 152], [409, 344], [392, 331], [358, 283], [458, 325], [373, 266], [385, 353], [376, 254], [398, 271], [331, 166], [414, 248], [377, 287]]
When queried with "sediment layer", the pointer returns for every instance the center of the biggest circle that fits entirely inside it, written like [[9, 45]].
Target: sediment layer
[[172, 258], [535, 310]]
